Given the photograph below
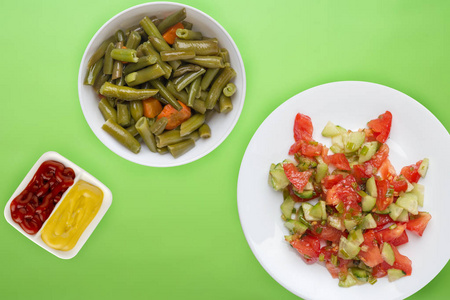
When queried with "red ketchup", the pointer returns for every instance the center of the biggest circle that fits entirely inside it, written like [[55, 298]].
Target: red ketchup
[[34, 205]]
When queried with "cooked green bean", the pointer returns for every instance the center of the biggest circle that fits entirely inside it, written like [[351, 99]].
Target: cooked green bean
[[144, 131], [204, 131], [93, 72], [122, 135], [172, 19], [99, 81], [191, 124], [149, 50], [134, 39], [216, 89], [143, 62], [136, 28], [187, 34], [111, 101], [126, 93], [155, 20], [180, 95], [181, 148], [207, 61], [132, 130], [203, 95], [120, 81], [144, 75], [158, 127], [208, 77], [117, 66], [186, 68], [162, 150], [136, 109], [187, 25], [229, 89], [201, 47], [172, 137], [123, 114], [225, 104], [161, 45], [120, 36], [156, 83], [225, 55], [100, 52], [150, 28], [107, 110], [108, 61], [172, 55], [194, 89], [126, 55], [199, 106], [183, 81]]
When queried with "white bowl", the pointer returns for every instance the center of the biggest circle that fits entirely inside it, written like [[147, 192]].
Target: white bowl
[[221, 124], [80, 174]]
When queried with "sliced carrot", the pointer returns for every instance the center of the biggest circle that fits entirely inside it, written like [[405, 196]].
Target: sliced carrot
[[174, 116], [171, 33], [152, 107]]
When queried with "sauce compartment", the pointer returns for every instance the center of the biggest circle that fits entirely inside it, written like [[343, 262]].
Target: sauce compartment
[[80, 176]]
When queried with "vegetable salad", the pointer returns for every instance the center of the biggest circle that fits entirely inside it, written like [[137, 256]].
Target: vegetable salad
[[346, 206]]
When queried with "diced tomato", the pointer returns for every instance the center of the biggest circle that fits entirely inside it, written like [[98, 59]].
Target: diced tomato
[[297, 178], [382, 220], [369, 135], [338, 160], [380, 270], [309, 248], [418, 223], [379, 157], [381, 126], [387, 170], [403, 239], [411, 172], [326, 233], [330, 180], [337, 271], [370, 253], [402, 262], [383, 198], [361, 173], [306, 148], [344, 191], [303, 127], [389, 235], [399, 183]]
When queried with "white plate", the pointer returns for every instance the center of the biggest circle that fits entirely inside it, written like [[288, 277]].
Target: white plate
[[415, 134], [80, 174], [221, 124]]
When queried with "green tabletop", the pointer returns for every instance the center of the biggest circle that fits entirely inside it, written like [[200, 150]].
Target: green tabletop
[[174, 233]]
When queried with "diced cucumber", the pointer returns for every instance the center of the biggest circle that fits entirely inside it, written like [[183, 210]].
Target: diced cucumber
[[338, 142], [387, 253], [404, 216], [423, 168], [330, 130], [341, 129], [356, 236], [307, 212], [335, 222], [366, 151], [383, 212], [354, 141], [350, 224], [371, 187], [395, 211], [336, 149], [419, 191], [321, 172], [410, 186], [277, 177], [287, 206], [295, 227], [368, 203], [394, 274], [319, 210], [348, 281], [305, 163], [368, 222], [359, 274], [347, 249], [409, 202], [306, 194]]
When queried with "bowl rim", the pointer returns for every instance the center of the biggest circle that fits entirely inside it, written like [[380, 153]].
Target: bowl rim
[[240, 67]]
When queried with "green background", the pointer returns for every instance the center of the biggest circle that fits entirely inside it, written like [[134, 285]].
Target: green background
[[174, 233]]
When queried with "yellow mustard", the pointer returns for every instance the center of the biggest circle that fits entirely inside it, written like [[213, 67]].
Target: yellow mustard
[[73, 215]]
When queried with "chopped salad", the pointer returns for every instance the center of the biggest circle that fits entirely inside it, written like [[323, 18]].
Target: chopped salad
[[346, 206]]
